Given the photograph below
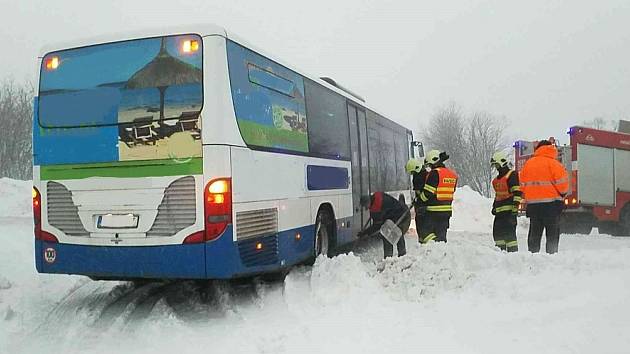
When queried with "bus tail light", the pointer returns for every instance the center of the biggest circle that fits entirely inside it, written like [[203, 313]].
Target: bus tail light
[[37, 219], [217, 204], [217, 207], [197, 237]]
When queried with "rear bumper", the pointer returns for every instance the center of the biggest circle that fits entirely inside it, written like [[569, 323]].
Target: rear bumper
[[172, 261], [578, 210], [219, 259]]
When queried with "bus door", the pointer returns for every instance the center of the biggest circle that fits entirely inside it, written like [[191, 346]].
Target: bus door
[[360, 170]]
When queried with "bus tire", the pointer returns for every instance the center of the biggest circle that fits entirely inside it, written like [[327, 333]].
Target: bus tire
[[324, 232]]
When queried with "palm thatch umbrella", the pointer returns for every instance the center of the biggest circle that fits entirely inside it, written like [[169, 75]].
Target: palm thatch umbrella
[[164, 71]]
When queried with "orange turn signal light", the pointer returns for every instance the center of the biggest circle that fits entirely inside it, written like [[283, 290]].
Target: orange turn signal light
[[219, 186], [52, 63], [189, 46]]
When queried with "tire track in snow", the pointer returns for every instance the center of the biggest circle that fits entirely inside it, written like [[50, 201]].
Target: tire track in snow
[[117, 309], [69, 305]]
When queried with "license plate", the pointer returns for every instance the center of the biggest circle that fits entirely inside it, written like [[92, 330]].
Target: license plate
[[117, 221]]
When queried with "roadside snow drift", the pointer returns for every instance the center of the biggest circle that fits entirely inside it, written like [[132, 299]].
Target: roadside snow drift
[[461, 297]]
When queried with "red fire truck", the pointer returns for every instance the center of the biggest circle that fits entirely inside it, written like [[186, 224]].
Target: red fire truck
[[598, 163]]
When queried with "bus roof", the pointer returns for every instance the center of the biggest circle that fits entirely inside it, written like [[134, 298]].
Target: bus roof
[[203, 30]]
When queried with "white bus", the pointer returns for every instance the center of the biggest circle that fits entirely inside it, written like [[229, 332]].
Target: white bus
[[186, 153]]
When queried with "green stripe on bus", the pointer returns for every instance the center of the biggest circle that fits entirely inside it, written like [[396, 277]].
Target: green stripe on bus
[[145, 168]]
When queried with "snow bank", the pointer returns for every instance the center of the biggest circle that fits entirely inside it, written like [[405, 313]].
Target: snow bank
[[15, 198], [471, 211], [465, 296]]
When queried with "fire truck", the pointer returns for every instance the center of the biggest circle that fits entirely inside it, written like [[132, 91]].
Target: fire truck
[[598, 165]]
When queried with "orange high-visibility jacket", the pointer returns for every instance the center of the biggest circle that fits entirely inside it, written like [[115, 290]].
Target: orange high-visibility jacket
[[438, 190], [543, 178], [507, 193]]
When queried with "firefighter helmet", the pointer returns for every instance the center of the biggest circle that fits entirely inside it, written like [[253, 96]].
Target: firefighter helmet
[[413, 165], [499, 159], [432, 157]]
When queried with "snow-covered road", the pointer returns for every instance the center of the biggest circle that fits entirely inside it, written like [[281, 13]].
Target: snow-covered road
[[460, 297]]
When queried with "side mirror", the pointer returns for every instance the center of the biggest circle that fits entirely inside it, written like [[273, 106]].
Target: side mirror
[[417, 149]]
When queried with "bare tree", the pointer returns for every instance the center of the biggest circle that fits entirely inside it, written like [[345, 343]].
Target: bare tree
[[485, 135], [469, 140], [16, 116], [446, 131], [601, 123]]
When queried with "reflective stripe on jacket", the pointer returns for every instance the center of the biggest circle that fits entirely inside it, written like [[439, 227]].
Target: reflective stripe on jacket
[[507, 192], [439, 197], [543, 178]]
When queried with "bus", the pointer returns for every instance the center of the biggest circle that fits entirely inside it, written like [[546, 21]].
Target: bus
[[189, 154]]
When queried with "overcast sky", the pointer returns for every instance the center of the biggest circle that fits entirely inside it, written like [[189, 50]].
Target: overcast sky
[[544, 65]]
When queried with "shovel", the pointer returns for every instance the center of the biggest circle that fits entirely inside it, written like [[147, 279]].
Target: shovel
[[390, 229], [391, 232]]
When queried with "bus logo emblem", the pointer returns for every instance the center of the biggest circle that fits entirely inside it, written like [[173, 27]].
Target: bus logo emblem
[[50, 255]]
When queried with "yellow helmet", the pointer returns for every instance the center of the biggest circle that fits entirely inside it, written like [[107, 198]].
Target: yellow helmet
[[413, 165], [432, 157], [499, 159]]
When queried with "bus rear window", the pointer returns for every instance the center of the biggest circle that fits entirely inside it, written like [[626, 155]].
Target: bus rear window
[[151, 79]]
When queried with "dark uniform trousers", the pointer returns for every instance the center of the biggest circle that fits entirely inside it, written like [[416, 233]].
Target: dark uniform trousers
[[419, 221], [388, 248], [434, 227], [552, 231], [504, 231]]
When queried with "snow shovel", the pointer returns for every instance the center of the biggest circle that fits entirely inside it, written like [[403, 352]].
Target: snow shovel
[[391, 232]]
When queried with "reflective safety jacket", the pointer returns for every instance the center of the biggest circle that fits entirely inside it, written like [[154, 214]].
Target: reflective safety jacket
[[438, 191], [543, 178], [507, 192], [419, 179]]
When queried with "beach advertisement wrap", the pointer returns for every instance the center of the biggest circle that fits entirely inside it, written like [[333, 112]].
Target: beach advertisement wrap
[[268, 101], [124, 104]]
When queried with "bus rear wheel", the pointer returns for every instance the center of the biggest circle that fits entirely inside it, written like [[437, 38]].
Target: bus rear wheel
[[323, 233]]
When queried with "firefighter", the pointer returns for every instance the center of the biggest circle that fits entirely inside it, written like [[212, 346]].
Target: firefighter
[[419, 173], [436, 198], [544, 183], [507, 197], [382, 207]]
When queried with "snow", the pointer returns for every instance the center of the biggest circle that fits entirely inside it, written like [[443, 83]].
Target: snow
[[461, 297], [471, 211], [15, 200]]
